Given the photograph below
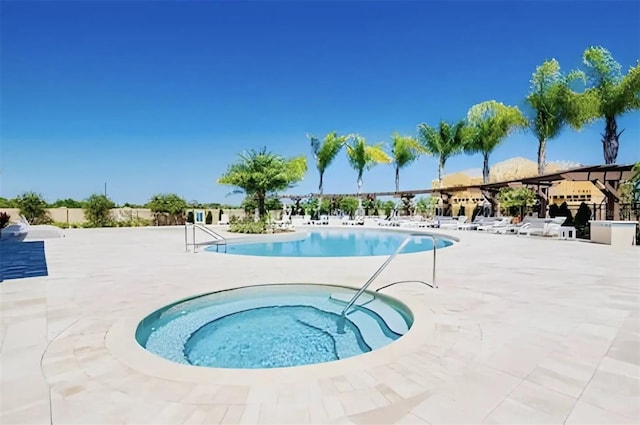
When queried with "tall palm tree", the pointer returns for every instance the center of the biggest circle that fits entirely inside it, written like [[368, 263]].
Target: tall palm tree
[[404, 150], [443, 141], [362, 156], [259, 173], [324, 153], [609, 95], [549, 99], [490, 123]]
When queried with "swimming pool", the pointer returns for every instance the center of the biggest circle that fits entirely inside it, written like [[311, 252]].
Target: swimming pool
[[336, 243], [271, 326]]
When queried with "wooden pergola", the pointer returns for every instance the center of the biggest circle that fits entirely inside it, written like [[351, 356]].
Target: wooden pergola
[[606, 178]]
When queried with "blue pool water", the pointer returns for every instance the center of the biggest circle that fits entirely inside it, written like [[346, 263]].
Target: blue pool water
[[336, 243], [271, 326]]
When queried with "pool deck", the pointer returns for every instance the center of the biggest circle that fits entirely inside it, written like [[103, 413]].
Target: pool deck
[[520, 330]]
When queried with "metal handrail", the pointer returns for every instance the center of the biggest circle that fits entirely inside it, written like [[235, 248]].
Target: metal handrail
[[219, 239], [342, 319]]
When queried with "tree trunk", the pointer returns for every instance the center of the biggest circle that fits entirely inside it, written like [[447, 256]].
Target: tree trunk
[[320, 188], [610, 140], [440, 170], [485, 168], [261, 208], [397, 179], [542, 154]]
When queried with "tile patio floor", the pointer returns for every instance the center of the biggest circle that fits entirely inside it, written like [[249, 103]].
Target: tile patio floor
[[521, 330]]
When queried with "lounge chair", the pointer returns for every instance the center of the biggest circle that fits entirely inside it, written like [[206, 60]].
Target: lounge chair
[[541, 226], [15, 232], [357, 220], [499, 225]]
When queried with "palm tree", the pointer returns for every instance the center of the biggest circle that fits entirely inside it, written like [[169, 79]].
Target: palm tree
[[404, 151], [325, 152], [259, 173], [490, 123], [443, 141], [548, 99], [362, 156], [610, 95]]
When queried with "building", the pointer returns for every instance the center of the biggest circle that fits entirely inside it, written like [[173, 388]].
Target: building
[[571, 192]]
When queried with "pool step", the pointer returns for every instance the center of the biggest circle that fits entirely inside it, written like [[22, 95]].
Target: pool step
[[394, 321], [344, 299]]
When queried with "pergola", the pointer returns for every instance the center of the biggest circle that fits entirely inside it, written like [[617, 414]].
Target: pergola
[[606, 178]]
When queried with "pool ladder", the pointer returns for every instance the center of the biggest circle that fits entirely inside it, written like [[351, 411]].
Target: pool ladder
[[217, 238], [343, 316]]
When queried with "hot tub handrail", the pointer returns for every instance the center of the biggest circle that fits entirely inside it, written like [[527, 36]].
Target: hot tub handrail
[[342, 319]]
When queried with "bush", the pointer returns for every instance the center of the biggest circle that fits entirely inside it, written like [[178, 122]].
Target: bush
[[61, 224], [553, 210], [134, 222], [248, 226], [563, 211], [34, 208], [97, 210], [581, 221], [4, 219], [190, 218], [209, 218]]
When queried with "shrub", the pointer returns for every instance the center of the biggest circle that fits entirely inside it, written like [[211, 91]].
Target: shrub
[[209, 218], [190, 217], [134, 222], [563, 211], [4, 219], [33, 207], [61, 224], [170, 205], [553, 210], [248, 226], [581, 221], [97, 210], [349, 205]]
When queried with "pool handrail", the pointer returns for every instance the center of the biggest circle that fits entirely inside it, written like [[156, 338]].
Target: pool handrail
[[218, 238], [342, 319]]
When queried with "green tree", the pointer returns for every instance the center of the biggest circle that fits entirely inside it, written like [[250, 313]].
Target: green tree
[[349, 205], [271, 203], [363, 157], [260, 173], [609, 94], [169, 204], [404, 151], [67, 203], [426, 205], [520, 198], [490, 123], [7, 203], [33, 207], [97, 210], [325, 152], [549, 100], [443, 141]]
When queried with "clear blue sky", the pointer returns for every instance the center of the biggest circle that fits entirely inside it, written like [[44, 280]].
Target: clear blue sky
[[160, 96]]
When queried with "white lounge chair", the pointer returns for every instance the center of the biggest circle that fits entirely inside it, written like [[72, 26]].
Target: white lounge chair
[[541, 226], [499, 225], [357, 220], [15, 232]]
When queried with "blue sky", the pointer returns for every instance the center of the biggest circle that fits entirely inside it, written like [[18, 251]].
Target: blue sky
[[160, 96]]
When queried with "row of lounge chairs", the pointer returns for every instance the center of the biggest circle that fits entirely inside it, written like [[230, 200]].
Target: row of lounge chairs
[[500, 225]]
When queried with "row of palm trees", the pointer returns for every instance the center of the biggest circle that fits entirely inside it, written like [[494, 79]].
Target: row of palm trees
[[552, 105]]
